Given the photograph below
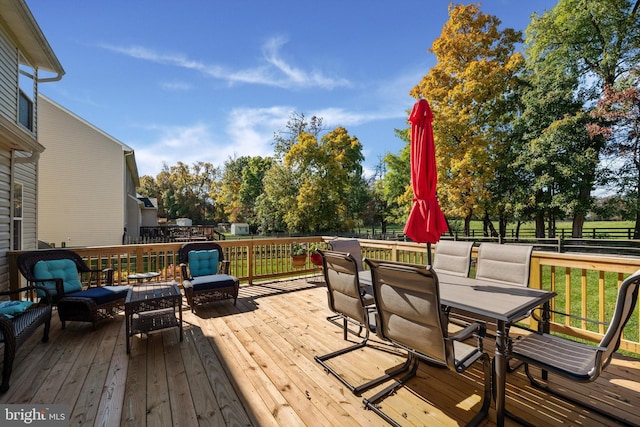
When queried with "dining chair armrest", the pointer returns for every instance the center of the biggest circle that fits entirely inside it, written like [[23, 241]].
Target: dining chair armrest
[[538, 318], [476, 329]]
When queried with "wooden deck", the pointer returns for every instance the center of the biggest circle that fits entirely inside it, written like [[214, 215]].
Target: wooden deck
[[252, 365]]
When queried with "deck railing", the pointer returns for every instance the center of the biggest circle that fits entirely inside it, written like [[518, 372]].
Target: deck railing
[[586, 284]]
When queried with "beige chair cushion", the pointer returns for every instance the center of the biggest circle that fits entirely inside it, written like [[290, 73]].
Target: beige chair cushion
[[504, 263], [350, 246], [453, 258]]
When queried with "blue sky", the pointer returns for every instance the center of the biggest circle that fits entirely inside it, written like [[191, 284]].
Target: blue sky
[[209, 80]]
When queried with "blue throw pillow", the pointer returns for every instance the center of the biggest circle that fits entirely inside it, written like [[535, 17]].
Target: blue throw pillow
[[64, 269], [12, 308], [203, 263]]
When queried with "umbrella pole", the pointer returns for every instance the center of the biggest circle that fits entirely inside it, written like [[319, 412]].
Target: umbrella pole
[[429, 254]]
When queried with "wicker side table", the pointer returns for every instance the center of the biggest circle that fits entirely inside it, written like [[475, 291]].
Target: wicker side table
[[152, 307]]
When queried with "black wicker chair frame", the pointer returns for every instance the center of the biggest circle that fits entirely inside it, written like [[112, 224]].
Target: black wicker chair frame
[[70, 307], [197, 297], [15, 331]]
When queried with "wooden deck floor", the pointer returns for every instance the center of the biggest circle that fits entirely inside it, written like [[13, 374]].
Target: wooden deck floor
[[252, 365]]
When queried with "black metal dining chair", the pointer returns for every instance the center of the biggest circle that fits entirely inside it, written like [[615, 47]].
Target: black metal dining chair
[[574, 360], [350, 303], [410, 316]]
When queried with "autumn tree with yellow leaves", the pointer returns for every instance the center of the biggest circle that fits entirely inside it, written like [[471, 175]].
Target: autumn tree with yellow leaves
[[470, 90]]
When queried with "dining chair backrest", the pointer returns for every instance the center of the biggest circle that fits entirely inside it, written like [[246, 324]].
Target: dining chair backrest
[[504, 263], [625, 306], [453, 257], [408, 309], [350, 246], [343, 287]]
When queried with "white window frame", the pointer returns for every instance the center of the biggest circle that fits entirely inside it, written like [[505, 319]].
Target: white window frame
[[17, 219]]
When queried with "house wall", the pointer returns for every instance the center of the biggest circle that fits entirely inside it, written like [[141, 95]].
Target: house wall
[[5, 214], [8, 78], [26, 174], [81, 181]]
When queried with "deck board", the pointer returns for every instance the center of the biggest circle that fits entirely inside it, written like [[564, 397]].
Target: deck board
[[252, 365]]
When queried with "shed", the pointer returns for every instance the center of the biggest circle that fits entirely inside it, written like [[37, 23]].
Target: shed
[[240, 228]]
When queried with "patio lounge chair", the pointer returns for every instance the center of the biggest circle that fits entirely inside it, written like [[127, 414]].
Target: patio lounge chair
[[18, 321], [82, 294], [350, 303], [410, 316], [577, 361], [205, 274], [453, 257]]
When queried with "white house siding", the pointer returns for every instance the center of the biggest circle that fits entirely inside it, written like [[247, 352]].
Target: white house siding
[[5, 214], [26, 174], [81, 181], [8, 77]]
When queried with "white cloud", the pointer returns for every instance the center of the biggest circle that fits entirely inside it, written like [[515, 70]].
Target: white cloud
[[275, 72], [248, 132]]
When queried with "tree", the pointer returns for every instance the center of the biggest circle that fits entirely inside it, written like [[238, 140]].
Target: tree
[[251, 188], [470, 90], [228, 195], [396, 182], [277, 200], [331, 189], [599, 42], [315, 183], [556, 158], [149, 188], [186, 192], [284, 139], [619, 111]]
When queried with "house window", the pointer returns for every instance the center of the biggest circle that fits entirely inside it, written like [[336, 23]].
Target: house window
[[17, 217], [26, 96], [25, 111]]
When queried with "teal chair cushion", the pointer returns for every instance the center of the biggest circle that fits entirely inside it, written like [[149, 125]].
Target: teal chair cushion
[[203, 263], [64, 269], [12, 308]]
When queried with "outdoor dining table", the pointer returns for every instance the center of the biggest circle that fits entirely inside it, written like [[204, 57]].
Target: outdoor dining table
[[502, 302]]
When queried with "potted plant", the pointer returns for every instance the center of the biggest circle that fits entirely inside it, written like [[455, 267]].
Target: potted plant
[[315, 256], [298, 255]]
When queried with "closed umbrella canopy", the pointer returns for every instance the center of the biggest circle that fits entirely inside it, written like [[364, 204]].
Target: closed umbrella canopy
[[426, 221]]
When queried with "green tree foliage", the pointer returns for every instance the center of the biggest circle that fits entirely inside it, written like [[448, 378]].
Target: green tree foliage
[[331, 189], [555, 157], [149, 188], [252, 187], [315, 183], [396, 182], [598, 42], [470, 91], [228, 196], [186, 191]]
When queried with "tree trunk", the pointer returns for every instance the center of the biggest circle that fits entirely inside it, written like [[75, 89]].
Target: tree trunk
[[540, 225], [577, 225], [467, 225], [489, 229]]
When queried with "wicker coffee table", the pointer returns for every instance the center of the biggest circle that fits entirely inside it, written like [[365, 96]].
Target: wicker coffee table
[[152, 307]]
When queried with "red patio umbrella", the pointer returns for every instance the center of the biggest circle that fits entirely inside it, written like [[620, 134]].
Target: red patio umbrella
[[426, 221]]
